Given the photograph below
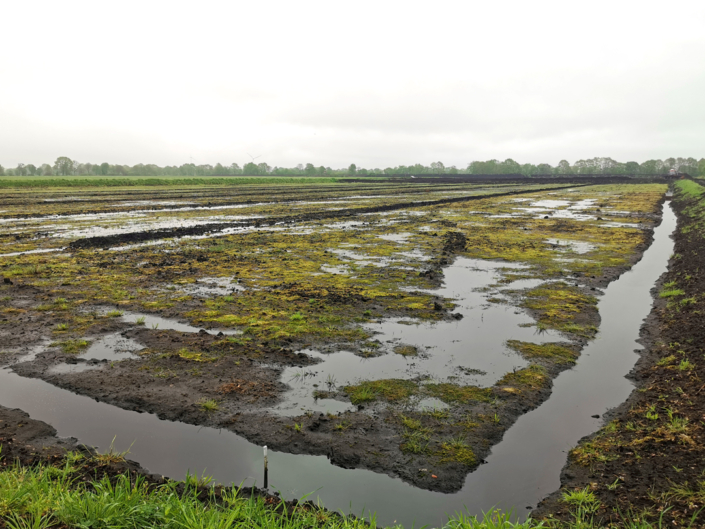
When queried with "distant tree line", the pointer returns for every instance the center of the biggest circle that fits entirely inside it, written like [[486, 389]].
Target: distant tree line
[[66, 166]]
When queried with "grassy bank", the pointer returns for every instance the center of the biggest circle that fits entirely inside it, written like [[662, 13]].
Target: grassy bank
[[132, 181], [59, 495], [46, 496]]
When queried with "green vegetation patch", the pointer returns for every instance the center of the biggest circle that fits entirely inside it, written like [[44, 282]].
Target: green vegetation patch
[[456, 450], [406, 350], [547, 351], [534, 377], [391, 390], [74, 346], [558, 304], [454, 393]]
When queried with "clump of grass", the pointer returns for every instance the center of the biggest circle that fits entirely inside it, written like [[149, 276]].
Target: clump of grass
[[61, 327], [406, 350], [193, 480], [296, 317], [391, 389], [194, 356], [416, 442], [453, 393], [140, 320], [74, 346], [533, 377], [112, 455], [114, 314], [549, 351], [666, 360], [671, 293], [409, 422], [583, 499], [208, 405], [685, 365], [437, 414], [456, 449]]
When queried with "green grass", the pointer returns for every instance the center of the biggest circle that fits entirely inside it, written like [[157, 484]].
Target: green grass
[[453, 393], [547, 351], [671, 293], [131, 181], [391, 389], [72, 346], [208, 405]]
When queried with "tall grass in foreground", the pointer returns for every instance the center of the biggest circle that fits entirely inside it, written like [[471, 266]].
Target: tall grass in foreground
[[42, 497], [149, 181]]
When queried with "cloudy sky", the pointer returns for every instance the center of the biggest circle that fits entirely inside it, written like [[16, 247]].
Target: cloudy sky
[[377, 83]]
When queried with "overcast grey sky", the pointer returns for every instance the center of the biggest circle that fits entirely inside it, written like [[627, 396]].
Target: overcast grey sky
[[378, 83]]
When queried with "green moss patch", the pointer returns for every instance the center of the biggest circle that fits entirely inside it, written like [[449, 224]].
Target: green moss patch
[[548, 351], [455, 393], [391, 389]]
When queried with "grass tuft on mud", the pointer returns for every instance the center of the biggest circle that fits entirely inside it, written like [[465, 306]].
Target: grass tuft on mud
[[548, 351], [391, 390]]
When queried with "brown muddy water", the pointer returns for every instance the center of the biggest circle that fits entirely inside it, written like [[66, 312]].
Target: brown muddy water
[[522, 469]]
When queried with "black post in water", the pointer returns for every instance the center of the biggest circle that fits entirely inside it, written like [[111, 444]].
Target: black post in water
[[266, 476]]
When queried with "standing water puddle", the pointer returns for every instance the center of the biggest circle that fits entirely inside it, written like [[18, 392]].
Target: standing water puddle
[[523, 468], [472, 349]]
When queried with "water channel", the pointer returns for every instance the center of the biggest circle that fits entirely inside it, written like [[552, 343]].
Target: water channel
[[522, 469]]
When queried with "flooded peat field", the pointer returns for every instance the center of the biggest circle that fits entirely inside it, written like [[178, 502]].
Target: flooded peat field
[[410, 362]]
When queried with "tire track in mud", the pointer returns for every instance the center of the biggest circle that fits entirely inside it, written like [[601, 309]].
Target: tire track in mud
[[108, 241]]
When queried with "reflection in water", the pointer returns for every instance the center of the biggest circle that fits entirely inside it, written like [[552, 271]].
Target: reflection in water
[[471, 350]]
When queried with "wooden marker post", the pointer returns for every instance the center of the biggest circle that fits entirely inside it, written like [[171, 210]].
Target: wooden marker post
[[266, 472]]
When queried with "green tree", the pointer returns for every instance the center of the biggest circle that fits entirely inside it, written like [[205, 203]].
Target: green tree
[[63, 165], [250, 169], [104, 168], [2, 170], [352, 169], [438, 167], [701, 167], [632, 168], [310, 169], [563, 167]]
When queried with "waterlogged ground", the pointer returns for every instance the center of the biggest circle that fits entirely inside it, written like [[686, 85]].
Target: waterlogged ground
[[393, 327]]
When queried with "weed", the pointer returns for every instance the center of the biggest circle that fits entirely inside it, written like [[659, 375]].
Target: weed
[[671, 293], [406, 350], [548, 351], [72, 346], [416, 442], [583, 499], [193, 480], [666, 360], [685, 365], [114, 314], [208, 405], [456, 449], [533, 377], [454, 393], [112, 455], [391, 389], [298, 426], [61, 327], [140, 320], [297, 316]]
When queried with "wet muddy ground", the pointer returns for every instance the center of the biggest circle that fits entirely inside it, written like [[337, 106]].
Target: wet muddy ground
[[404, 336]]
